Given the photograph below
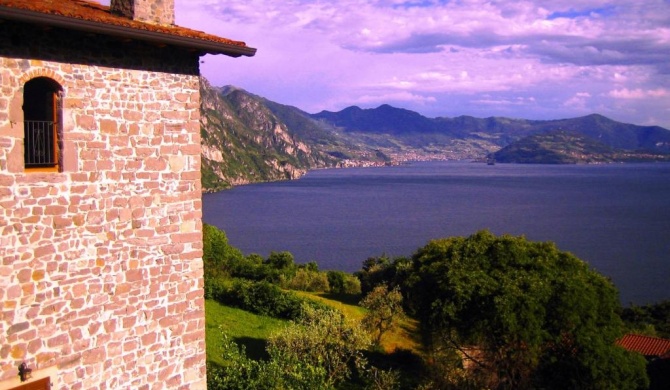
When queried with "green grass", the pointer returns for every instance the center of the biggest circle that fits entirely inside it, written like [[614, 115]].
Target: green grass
[[243, 327], [252, 330], [404, 336], [344, 303]]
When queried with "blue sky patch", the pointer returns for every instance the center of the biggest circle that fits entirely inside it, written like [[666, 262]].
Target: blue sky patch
[[573, 13]]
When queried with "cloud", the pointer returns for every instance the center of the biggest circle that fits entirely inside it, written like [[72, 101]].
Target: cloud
[[578, 100], [518, 101], [539, 59], [638, 93], [394, 97]]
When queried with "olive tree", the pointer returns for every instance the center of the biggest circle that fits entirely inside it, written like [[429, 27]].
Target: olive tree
[[384, 310], [318, 351], [521, 314]]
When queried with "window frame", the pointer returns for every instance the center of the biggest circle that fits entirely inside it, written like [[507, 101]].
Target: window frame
[[50, 113]]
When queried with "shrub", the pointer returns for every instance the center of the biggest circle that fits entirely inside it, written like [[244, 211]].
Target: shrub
[[215, 288], [262, 298], [217, 254], [343, 283], [250, 267], [306, 280], [319, 350]]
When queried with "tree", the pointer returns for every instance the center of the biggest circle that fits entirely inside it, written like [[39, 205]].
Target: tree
[[239, 372], [523, 314], [308, 280], [341, 282], [652, 320], [318, 351], [281, 260], [384, 310], [382, 270], [217, 254]]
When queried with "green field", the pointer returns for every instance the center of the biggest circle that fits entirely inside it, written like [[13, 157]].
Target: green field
[[244, 328], [252, 331], [403, 337]]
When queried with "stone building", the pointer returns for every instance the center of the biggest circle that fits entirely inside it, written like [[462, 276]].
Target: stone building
[[100, 195]]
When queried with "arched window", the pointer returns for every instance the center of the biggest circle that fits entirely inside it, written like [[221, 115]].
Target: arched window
[[42, 109]]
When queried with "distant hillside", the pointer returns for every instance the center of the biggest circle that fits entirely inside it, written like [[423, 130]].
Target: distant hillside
[[569, 147], [326, 138], [247, 138], [244, 142], [469, 137]]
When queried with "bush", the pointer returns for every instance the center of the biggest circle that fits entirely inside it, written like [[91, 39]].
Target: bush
[[217, 254], [262, 298], [306, 280], [239, 372], [343, 283], [215, 288], [250, 267], [319, 351]]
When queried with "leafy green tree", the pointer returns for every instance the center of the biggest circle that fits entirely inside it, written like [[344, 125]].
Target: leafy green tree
[[341, 282], [281, 260], [217, 254], [239, 372], [311, 266], [319, 351], [280, 267], [382, 270], [307, 280], [352, 285], [652, 320], [250, 267], [384, 310], [522, 314]]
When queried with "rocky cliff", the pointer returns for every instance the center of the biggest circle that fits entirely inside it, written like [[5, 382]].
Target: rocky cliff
[[244, 142]]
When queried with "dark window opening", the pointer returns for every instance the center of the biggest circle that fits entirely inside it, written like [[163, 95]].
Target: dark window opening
[[41, 116]]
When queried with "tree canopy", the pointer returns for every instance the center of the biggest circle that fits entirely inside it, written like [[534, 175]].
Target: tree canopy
[[522, 314], [384, 311]]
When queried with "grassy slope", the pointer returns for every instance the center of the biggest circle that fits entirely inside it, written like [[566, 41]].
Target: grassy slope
[[400, 338], [245, 328], [252, 330]]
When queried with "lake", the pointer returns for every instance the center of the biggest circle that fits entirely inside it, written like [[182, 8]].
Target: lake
[[616, 216]]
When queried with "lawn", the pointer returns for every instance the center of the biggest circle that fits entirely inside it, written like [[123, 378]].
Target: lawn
[[402, 337], [252, 330], [243, 327]]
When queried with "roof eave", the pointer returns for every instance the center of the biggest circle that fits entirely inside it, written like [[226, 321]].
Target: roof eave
[[209, 47]]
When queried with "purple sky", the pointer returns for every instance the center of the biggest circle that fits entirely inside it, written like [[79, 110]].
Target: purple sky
[[541, 59]]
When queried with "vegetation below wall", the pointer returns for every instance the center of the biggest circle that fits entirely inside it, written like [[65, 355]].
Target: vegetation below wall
[[464, 312]]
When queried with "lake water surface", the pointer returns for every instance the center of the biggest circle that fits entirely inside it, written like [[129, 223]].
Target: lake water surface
[[616, 217]]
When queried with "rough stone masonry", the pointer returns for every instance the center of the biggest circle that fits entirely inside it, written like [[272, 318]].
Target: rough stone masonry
[[101, 270]]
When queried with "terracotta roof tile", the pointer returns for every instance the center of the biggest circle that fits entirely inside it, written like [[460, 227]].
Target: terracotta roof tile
[[91, 11], [647, 346]]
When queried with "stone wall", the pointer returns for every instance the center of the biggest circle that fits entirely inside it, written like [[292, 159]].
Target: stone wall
[[101, 275]]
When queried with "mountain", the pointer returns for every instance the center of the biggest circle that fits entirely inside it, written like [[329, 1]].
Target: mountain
[[569, 147], [325, 138], [244, 142], [469, 137], [247, 138]]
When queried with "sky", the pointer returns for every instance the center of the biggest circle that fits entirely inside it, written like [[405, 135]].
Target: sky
[[540, 59]]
